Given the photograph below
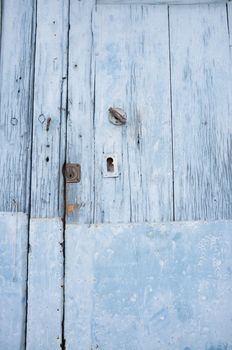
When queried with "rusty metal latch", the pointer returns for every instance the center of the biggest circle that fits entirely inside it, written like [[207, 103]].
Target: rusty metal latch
[[72, 173]]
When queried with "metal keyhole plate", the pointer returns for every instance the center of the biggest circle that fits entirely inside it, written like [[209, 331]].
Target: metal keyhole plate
[[110, 165], [72, 173]]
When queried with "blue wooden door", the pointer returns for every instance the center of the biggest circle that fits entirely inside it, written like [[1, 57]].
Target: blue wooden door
[[131, 284], [137, 255]]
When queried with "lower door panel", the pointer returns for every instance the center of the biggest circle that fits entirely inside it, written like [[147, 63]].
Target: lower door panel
[[149, 286]]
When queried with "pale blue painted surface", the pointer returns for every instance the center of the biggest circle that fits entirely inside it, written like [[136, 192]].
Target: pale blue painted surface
[[127, 286], [13, 270], [148, 287], [45, 284]]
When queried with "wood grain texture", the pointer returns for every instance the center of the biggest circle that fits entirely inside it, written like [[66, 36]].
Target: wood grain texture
[[229, 9], [45, 284], [13, 275], [16, 65], [149, 286], [80, 142], [202, 109], [132, 72], [0, 21], [160, 2], [49, 108], [118, 71]]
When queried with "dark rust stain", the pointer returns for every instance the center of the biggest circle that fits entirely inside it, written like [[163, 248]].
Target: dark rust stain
[[70, 207]]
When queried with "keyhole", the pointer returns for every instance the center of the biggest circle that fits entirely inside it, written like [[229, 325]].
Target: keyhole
[[110, 165]]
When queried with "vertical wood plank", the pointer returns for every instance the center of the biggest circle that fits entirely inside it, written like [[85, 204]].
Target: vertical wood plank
[[132, 72], [80, 142], [45, 284], [0, 21], [13, 274], [16, 64], [45, 271], [229, 9], [78, 329], [49, 108], [202, 107], [159, 2]]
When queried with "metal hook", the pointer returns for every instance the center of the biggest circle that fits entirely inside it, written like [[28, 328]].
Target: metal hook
[[117, 116]]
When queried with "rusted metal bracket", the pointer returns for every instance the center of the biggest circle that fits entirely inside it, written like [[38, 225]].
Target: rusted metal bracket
[[72, 173]]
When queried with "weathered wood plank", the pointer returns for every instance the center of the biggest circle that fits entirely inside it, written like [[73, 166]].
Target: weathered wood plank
[[49, 108], [79, 197], [132, 72], [45, 284], [229, 9], [202, 108], [161, 2], [13, 274], [16, 64], [146, 287], [0, 20]]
